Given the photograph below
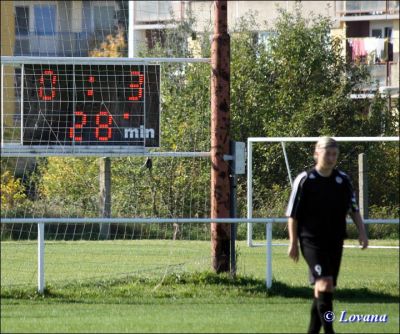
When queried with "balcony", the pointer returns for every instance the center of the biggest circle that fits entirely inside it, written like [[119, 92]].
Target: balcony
[[365, 10], [377, 55], [369, 50]]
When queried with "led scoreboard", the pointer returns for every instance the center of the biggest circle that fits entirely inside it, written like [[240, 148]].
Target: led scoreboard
[[91, 105]]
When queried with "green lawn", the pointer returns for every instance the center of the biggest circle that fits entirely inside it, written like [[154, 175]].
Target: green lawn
[[166, 286]]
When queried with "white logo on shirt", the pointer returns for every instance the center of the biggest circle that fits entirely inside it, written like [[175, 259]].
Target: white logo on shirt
[[312, 176], [339, 179], [318, 269]]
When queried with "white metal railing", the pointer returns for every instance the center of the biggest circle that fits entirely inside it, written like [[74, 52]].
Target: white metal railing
[[268, 221], [17, 60]]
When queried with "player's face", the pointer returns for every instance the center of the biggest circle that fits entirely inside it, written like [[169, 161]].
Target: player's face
[[327, 157]]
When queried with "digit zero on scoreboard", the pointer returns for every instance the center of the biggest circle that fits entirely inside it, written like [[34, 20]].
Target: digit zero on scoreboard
[[91, 105]]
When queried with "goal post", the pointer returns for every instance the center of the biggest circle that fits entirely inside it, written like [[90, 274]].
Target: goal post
[[283, 140]]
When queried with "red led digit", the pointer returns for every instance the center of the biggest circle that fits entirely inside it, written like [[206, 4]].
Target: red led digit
[[46, 75], [78, 125], [137, 86], [126, 115], [103, 125]]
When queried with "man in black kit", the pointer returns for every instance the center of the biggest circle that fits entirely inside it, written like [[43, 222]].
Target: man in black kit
[[317, 209]]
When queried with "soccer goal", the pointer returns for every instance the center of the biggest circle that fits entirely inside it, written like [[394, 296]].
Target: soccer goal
[[288, 156]]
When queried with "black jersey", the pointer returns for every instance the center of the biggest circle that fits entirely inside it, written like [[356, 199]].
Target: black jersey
[[320, 205]]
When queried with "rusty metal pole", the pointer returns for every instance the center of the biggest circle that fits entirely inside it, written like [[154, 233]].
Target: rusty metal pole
[[220, 124]]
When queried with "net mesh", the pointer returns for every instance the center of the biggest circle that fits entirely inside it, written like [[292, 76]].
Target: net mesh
[[50, 111]]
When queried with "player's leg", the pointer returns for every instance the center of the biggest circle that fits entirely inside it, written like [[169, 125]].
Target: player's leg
[[321, 276], [310, 257], [323, 292], [326, 283]]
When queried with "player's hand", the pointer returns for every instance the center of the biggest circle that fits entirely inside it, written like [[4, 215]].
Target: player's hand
[[363, 239], [293, 251]]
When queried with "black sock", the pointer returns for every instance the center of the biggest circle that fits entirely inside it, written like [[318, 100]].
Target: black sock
[[315, 321], [324, 306]]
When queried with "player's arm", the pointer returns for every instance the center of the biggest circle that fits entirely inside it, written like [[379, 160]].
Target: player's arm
[[293, 250], [362, 233]]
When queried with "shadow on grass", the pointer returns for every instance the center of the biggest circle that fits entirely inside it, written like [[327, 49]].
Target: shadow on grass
[[357, 295], [190, 285]]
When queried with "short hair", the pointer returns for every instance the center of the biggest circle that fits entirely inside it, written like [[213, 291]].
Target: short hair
[[326, 142]]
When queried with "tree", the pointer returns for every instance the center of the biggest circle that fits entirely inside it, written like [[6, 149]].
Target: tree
[[299, 84]]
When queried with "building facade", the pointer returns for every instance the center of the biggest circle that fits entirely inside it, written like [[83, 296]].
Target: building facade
[[369, 29]]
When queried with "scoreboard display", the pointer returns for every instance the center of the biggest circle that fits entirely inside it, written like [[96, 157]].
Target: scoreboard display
[[91, 105]]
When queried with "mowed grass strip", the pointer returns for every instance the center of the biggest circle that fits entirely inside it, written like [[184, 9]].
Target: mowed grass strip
[[191, 298]]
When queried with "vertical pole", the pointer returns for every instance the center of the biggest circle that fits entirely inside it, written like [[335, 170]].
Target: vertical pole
[[220, 123], [105, 195], [41, 258], [131, 29], [2, 105], [363, 185], [21, 106], [249, 192], [268, 280], [233, 185]]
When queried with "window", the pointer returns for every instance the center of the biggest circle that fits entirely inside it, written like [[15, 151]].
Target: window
[[376, 33], [103, 17], [22, 20], [45, 19]]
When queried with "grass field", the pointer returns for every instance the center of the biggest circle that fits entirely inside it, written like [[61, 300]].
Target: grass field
[[166, 286]]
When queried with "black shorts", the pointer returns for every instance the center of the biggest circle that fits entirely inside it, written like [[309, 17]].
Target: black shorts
[[322, 262]]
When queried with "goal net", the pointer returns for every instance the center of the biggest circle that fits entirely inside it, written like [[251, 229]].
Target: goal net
[[91, 129]]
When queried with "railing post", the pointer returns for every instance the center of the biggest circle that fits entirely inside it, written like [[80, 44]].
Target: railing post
[[268, 280], [249, 192], [363, 186], [41, 258], [105, 195]]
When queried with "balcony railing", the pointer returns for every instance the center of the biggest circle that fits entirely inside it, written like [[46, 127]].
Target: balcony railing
[[150, 12], [367, 7], [65, 44], [393, 74], [379, 74]]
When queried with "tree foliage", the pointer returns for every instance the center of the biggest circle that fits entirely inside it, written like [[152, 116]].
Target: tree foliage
[[299, 85]]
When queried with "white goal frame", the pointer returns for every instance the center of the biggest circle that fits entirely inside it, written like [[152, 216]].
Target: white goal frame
[[284, 140]]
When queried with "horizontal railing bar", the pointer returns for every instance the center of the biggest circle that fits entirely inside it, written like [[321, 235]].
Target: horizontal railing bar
[[116, 153], [314, 139], [16, 60], [345, 246], [164, 220]]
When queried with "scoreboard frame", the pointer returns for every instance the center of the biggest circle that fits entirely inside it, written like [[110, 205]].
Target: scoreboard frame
[[89, 147]]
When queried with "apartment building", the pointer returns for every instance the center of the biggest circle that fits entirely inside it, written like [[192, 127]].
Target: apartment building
[[61, 28], [369, 29], [370, 33]]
